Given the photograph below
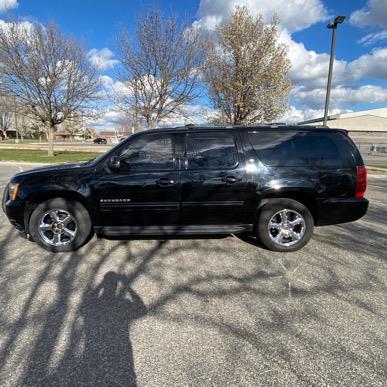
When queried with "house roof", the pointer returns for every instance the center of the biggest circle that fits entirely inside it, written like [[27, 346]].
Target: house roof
[[105, 133]]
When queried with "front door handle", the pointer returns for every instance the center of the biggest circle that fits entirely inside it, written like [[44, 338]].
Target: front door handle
[[165, 182], [231, 179]]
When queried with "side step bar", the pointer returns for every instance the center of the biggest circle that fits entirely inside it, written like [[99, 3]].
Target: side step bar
[[173, 230]]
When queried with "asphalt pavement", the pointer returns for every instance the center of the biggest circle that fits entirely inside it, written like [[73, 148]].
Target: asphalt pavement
[[215, 312]]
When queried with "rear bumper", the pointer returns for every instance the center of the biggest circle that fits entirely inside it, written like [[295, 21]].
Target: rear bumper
[[334, 211]]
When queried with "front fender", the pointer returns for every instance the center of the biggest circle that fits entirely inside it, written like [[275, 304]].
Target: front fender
[[36, 197]]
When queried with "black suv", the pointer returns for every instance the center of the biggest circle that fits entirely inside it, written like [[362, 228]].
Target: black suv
[[276, 182], [100, 140]]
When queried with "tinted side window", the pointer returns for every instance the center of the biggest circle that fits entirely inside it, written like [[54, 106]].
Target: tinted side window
[[298, 149], [211, 151], [150, 152]]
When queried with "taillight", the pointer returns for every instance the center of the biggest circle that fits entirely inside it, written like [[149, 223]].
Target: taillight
[[361, 181]]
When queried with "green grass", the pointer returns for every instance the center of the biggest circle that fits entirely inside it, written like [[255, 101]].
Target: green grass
[[37, 156]]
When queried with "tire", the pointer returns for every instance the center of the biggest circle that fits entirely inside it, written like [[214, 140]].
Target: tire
[[60, 225], [292, 225]]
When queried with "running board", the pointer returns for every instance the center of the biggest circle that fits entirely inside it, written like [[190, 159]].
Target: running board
[[173, 230]]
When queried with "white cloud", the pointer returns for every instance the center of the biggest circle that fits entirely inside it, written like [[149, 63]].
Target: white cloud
[[374, 14], [107, 82], [112, 88], [7, 5], [370, 65], [111, 118], [309, 69], [294, 115], [341, 96], [373, 38], [190, 114], [107, 120], [102, 59], [295, 15]]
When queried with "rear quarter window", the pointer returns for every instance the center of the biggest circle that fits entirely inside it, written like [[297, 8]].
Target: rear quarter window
[[300, 149]]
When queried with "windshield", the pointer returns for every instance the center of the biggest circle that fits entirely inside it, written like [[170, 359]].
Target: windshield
[[103, 155]]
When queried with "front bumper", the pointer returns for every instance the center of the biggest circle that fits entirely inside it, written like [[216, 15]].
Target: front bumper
[[15, 213], [337, 210], [14, 210]]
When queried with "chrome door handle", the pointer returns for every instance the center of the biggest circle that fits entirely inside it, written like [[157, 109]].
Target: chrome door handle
[[165, 182], [231, 179]]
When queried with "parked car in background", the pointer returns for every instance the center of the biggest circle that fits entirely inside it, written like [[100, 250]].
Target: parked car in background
[[275, 182], [100, 140]]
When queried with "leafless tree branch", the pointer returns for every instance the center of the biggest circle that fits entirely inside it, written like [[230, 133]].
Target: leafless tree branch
[[160, 73], [47, 73]]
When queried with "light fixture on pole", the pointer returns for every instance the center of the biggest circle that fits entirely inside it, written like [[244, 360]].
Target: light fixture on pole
[[333, 26]]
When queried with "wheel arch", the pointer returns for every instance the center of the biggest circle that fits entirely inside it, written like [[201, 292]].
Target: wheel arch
[[36, 198], [305, 197]]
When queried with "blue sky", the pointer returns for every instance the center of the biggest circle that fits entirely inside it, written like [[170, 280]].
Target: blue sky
[[360, 74]]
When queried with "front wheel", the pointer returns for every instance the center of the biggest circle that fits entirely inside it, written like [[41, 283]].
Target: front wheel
[[284, 225], [60, 225]]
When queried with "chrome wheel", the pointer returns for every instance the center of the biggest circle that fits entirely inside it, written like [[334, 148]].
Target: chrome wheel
[[57, 227], [286, 227]]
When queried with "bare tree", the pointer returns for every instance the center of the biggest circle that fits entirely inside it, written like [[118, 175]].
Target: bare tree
[[5, 121], [159, 71], [6, 111], [127, 123], [73, 126], [47, 73], [246, 70]]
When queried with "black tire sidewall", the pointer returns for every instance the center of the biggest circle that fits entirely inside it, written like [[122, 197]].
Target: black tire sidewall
[[76, 209], [266, 213]]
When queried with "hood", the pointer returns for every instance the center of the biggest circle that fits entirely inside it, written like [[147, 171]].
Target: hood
[[52, 168]]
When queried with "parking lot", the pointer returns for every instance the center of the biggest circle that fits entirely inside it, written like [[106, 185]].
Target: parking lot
[[194, 311]]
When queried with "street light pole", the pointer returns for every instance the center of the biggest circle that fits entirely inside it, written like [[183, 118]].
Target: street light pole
[[333, 27]]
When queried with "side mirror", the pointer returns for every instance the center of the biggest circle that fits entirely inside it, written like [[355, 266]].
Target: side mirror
[[115, 163]]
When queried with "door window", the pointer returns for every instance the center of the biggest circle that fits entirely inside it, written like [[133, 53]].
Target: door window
[[150, 153], [211, 151]]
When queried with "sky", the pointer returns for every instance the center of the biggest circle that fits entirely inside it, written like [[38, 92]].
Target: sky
[[359, 74]]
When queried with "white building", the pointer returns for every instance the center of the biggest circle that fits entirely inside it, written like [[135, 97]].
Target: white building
[[365, 126]]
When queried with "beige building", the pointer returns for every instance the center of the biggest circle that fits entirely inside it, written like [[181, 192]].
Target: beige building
[[367, 126]]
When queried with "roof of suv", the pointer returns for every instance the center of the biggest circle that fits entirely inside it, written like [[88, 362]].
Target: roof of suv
[[189, 128]]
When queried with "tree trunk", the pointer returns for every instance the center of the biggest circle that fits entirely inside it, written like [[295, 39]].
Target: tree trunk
[[50, 137]]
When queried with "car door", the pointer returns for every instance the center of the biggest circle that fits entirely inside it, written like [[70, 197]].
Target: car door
[[213, 180], [144, 190]]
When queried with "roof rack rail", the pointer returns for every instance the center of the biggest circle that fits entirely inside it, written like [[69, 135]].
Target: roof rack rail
[[319, 126], [187, 126]]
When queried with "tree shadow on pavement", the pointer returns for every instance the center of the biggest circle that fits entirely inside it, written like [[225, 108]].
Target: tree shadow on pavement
[[74, 326]]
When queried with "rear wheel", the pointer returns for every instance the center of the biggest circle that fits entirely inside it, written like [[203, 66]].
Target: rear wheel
[[284, 225], [60, 225]]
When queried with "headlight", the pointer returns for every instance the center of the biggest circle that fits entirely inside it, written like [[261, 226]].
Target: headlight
[[13, 188]]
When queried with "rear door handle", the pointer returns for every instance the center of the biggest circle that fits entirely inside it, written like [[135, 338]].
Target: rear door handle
[[231, 179], [165, 182]]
